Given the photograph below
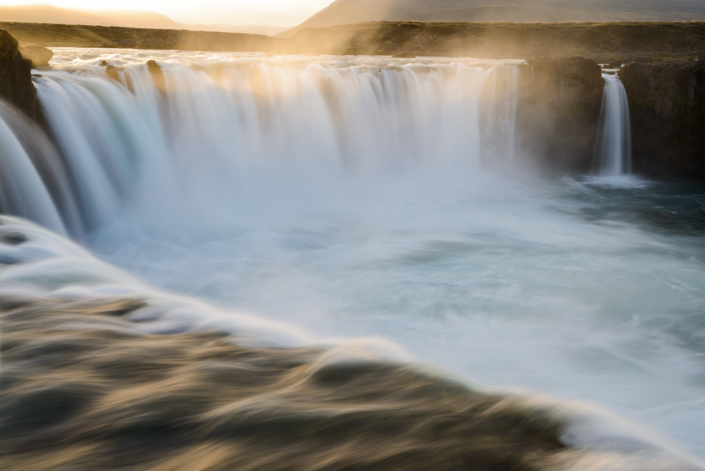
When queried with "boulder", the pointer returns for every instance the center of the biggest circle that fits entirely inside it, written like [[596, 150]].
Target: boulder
[[16, 77], [114, 72], [559, 111], [667, 107], [157, 74], [39, 56], [120, 75]]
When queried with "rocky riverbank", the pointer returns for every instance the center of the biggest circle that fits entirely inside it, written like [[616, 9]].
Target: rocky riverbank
[[667, 106]]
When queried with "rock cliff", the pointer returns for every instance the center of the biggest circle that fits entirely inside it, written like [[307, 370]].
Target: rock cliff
[[16, 77], [39, 56], [667, 106], [559, 111]]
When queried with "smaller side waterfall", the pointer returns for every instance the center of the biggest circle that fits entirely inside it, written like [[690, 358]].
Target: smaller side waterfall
[[613, 150]]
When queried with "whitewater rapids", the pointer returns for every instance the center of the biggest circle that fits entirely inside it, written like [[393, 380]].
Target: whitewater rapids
[[356, 197]]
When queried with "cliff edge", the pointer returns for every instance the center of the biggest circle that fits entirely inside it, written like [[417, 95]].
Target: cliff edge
[[667, 106], [16, 77], [559, 111]]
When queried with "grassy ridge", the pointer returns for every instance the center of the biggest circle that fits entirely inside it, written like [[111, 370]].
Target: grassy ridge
[[55, 35], [600, 41]]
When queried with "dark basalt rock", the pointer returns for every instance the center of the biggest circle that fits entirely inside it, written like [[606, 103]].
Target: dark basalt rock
[[39, 56], [114, 72], [667, 106], [16, 77], [120, 75], [559, 111], [120, 43]]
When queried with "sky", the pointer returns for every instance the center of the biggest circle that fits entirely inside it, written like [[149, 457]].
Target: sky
[[237, 12]]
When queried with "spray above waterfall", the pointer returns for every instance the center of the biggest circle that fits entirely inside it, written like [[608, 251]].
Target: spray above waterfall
[[355, 197], [200, 131], [613, 148]]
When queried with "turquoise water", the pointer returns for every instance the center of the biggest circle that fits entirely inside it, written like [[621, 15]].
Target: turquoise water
[[582, 289]]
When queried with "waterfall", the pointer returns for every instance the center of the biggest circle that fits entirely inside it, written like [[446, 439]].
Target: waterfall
[[613, 149], [22, 190], [209, 127]]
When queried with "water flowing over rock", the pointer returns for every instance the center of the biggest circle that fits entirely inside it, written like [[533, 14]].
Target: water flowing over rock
[[349, 196], [667, 105], [157, 74], [360, 118], [32, 181], [186, 398], [120, 75], [613, 149]]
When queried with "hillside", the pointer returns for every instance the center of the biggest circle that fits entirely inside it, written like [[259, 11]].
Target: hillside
[[53, 35], [244, 29], [343, 12], [124, 18], [603, 42], [66, 16]]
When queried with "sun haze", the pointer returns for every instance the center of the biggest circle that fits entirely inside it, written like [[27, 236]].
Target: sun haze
[[271, 12]]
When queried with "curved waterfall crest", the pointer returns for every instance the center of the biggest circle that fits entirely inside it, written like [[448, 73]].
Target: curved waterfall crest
[[199, 129], [351, 197]]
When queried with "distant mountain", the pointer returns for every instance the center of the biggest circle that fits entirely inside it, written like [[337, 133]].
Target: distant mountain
[[246, 29], [56, 15], [359, 11], [128, 18]]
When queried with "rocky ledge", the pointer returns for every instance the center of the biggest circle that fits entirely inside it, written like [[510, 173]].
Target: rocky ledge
[[667, 106], [559, 111], [39, 56], [16, 77]]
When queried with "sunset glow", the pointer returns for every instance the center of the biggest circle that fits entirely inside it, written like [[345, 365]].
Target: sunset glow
[[271, 12]]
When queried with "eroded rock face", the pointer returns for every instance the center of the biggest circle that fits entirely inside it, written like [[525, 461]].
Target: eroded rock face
[[157, 74], [39, 56], [667, 106], [16, 77], [559, 111]]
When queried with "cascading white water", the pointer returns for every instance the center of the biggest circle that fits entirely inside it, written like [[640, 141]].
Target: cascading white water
[[613, 149], [349, 196], [220, 121], [22, 191]]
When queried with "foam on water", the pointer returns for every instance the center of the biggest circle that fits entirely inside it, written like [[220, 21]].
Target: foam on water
[[47, 266], [353, 197]]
